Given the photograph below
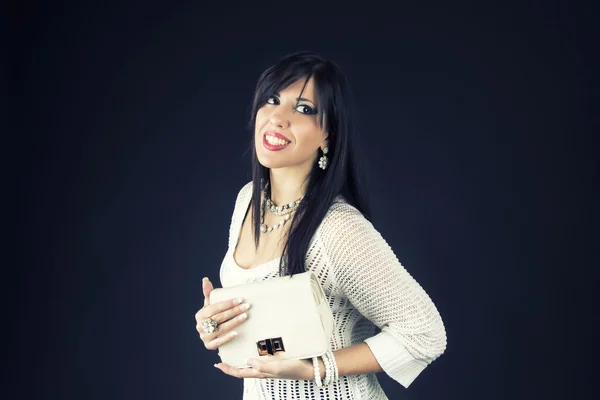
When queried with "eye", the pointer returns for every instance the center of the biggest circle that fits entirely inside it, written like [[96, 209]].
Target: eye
[[272, 100], [304, 109]]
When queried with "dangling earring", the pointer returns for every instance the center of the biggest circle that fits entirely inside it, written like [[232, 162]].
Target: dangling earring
[[323, 159]]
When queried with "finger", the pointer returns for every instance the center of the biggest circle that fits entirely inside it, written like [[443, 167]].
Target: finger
[[231, 314], [214, 340], [223, 316], [242, 372], [207, 338], [219, 341], [207, 287], [212, 310]]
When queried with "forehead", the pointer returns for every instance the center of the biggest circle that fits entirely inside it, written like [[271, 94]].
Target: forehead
[[295, 88]]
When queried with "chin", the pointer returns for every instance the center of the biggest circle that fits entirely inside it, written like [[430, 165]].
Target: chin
[[269, 159], [270, 165], [265, 162]]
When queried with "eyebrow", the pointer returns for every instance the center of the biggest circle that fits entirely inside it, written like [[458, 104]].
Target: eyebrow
[[297, 98]]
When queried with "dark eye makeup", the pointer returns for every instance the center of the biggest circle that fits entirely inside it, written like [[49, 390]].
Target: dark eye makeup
[[301, 108]]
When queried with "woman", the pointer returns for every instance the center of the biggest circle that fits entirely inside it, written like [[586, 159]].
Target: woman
[[304, 158]]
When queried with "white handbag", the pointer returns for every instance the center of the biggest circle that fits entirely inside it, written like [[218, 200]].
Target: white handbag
[[289, 318]]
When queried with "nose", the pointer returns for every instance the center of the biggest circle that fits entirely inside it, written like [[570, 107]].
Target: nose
[[279, 119]]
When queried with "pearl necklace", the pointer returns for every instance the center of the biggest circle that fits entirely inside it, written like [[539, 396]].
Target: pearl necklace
[[284, 211]]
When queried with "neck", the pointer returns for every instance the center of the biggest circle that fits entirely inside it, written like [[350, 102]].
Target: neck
[[286, 185]]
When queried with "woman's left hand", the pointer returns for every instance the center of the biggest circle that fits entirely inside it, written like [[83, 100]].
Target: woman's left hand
[[276, 369]]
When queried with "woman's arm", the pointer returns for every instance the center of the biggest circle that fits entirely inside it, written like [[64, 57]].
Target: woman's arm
[[367, 272], [352, 360]]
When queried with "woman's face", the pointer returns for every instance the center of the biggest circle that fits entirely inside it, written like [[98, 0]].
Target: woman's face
[[287, 133]]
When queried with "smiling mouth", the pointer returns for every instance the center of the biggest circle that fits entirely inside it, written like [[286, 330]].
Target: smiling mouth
[[275, 141]]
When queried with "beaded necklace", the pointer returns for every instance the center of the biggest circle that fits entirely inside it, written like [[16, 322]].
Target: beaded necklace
[[285, 210]]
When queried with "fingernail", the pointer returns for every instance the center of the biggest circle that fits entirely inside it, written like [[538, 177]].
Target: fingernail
[[215, 365], [243, 316], [245, 306], [238, 301], [233, 333], [204, 279]]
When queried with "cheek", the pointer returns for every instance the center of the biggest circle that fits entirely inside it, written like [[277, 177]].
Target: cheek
[[260, 117], [310, 134]]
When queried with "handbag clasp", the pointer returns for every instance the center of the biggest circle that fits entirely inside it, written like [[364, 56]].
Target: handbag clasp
[[270, 346]]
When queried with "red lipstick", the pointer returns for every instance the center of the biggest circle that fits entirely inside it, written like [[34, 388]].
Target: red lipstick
[[274, 147]]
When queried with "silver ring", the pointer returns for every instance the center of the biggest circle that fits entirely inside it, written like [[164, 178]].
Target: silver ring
[[209, 325]]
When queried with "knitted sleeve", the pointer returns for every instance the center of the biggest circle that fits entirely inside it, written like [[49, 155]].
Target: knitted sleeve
[[368, 273]]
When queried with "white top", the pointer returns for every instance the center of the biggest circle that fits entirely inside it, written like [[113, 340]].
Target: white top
[[372, 297]]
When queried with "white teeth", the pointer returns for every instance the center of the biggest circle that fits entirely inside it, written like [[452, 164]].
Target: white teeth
[[275, 141]]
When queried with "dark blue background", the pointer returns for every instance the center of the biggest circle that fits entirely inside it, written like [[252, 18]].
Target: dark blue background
[[133, 147]]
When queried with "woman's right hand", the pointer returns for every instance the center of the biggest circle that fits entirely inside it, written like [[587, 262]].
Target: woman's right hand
[[227, 314]]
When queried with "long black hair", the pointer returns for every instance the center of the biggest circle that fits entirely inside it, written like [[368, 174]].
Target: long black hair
[[342, 175]]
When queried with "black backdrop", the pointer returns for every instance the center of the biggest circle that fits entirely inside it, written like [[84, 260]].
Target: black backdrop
[[134, 147]]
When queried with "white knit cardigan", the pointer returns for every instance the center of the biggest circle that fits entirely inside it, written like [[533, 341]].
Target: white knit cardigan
[[372, 297]]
